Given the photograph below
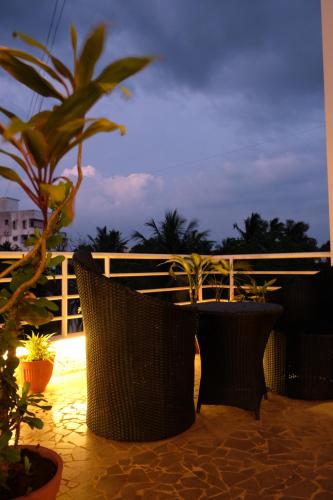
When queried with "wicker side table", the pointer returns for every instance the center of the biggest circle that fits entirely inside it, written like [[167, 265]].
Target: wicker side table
[[232, 339]]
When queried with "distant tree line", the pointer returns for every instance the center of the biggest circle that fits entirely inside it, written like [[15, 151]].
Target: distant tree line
[[175, 235]]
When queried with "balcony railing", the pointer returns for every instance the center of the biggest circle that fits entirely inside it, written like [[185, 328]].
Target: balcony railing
[[109, 259]]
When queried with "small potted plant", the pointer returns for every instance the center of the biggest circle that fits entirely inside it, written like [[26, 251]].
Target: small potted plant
[[36, 366]]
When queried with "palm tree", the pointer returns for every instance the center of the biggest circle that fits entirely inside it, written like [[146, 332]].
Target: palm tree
[[172, 235], [107, 241]]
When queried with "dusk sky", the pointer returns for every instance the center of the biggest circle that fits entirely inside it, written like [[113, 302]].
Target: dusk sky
[[228, 121]]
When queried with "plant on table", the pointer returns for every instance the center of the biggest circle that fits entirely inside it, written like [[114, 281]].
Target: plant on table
[[253, 292], [36, 147], [197, 269]]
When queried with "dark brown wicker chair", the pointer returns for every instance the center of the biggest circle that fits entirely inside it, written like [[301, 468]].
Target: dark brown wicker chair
[[140, 359], [298, 360]]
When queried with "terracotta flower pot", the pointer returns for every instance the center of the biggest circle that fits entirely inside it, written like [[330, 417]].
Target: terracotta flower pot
[[38, 373], [49, 490]]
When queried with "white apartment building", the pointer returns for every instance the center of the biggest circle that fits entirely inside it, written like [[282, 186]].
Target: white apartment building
[[16, 225]]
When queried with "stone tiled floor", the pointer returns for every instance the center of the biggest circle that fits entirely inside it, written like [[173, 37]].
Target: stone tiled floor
[[288, 454]]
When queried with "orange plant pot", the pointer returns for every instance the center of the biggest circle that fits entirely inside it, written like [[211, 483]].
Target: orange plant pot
[[49, 490], [38, 373]]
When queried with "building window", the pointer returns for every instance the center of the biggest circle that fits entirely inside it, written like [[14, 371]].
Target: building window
[[14, 224], [14, 238], [31, 223], [24, 224], [6, 222]]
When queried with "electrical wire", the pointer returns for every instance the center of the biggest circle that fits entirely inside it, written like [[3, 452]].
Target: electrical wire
[[236, 150], [34, 97], [52, 44]]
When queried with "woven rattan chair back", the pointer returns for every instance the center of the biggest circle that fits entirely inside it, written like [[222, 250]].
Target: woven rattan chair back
[[140, 359]]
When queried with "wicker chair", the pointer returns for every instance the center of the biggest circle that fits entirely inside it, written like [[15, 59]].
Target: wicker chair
[[298, 360], [140, 359]]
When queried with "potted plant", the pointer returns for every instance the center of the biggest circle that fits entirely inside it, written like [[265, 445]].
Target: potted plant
[[36, 147], [197, 269], [36, 366]]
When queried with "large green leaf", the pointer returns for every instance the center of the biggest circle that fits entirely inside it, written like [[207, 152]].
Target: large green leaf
[[20, 54], [74, 42], [100, 125], [75, 106], [8, 113], [38, 120], [56, 192], [32, 314], [37, 145], [119, 70], [14, 157], [28, 76], [10, 174], [63, 70], [90, 54]]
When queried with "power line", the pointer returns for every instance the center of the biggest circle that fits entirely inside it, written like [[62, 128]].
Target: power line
[[236, 150], [34, 96], [52, 44]]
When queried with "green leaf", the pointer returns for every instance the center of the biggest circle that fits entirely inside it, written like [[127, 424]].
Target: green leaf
[[56, 192], [33, 422], [38, 121], [118, 71], [53, 241], [37, 145], [7, 113], [101, 125], [55, 261], [15, 126], [75, 106], [52, 306], [28, 76], [16, 158], [20, 54], [10, 174], [74, 42], [33, 314], [59, 66], [90, 54]]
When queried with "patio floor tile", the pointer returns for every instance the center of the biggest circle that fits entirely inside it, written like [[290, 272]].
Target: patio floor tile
[[226, 454]]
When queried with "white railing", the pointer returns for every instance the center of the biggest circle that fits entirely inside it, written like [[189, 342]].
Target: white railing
[[108, 258]]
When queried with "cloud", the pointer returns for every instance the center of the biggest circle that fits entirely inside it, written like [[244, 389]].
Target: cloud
[[87, 171]]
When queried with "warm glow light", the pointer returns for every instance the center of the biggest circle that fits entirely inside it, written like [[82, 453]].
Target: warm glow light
[[70, 355]]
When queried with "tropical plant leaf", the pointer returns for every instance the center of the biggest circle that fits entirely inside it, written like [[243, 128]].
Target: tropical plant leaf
[[14, 157], [75, 106], [118, 71], [74, 42], [8, 113], [20, 54], [28, 76], [90, 54], [37, 145], [10, 174], [57, 192], [38, 120], [59, 66]]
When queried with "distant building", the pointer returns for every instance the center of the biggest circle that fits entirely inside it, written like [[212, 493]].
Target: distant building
[[16, 225]]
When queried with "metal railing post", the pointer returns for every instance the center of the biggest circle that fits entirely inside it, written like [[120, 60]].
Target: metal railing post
[[231, 280], [64, 297]]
